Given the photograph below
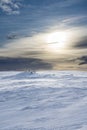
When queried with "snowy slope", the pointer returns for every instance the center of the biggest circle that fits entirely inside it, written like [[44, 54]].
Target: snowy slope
[[51, 100]]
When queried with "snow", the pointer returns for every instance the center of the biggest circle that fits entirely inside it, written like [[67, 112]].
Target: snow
[[50, 100]]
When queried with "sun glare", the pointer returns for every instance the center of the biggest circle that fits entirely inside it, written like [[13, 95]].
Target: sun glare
[[57, 40]]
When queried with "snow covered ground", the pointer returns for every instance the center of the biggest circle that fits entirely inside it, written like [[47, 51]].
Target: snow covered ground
[[50, 100]]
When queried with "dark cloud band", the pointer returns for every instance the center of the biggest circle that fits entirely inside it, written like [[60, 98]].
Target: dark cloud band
[[23, 64]]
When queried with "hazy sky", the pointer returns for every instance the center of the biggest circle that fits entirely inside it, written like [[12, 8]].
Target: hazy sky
[[43, 34]]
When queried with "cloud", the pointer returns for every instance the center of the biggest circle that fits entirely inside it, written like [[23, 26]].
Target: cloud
[[12, 36], [10, 6], [16, 35], [83, 60], [74, 19], [26, 46], [23, 64], [82, 43]]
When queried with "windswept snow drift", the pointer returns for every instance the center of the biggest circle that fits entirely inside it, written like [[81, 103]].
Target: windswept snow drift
[[51, 100]]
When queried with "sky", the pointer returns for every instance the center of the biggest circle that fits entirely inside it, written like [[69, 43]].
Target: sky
[[43, 34]]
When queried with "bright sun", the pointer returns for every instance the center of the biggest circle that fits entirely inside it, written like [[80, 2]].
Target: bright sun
[[57, 40]]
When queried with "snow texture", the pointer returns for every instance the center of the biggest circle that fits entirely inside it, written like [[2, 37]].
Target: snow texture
[[50, 100]]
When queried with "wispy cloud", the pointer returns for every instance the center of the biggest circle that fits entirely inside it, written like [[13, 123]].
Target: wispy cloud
[[10, 6], [27, 46], [73, 19]]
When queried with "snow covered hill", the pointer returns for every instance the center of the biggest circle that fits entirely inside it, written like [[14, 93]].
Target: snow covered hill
[[50, 100]]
